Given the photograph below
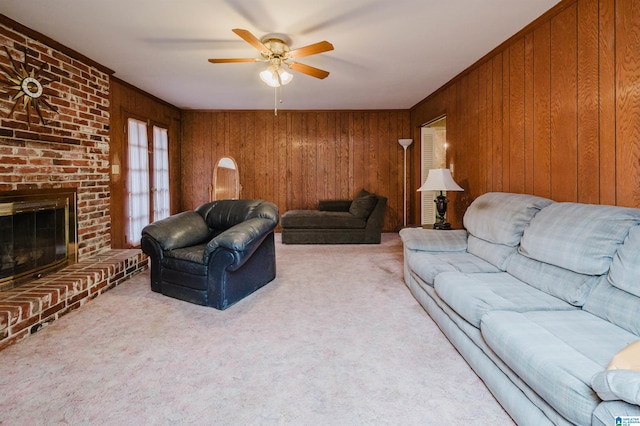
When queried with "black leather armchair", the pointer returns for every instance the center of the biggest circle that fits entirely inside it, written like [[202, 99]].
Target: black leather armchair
[[215, 255]]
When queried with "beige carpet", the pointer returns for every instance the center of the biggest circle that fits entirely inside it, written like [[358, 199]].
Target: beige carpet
[[336, 339]]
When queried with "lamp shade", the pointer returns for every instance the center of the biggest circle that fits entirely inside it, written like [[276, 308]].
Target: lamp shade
[[440, 180], [405, 142], [275, 77]]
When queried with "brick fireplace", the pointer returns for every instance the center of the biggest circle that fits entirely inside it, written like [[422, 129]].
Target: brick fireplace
[[37, 234], [62, 148], [72, 149]]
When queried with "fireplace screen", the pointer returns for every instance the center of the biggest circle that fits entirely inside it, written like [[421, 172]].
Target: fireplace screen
[[35, 238]]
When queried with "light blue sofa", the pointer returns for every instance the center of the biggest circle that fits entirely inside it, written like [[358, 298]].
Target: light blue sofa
[[538, 296]]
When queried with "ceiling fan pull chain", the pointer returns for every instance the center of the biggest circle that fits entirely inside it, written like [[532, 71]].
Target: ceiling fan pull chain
[[275, 98]]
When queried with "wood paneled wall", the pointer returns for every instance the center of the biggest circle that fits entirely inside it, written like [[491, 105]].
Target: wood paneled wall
[[125, 101], [297, 158], [554, 111]]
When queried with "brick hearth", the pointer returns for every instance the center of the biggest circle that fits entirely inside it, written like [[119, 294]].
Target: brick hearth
[[30, 306]]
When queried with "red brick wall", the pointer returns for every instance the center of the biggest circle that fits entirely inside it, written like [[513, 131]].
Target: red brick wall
[[72, 150]]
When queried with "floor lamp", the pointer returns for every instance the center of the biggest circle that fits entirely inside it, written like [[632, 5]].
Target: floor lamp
[[405, 144]]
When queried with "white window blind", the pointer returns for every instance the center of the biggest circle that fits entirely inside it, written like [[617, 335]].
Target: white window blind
[[428, 210]]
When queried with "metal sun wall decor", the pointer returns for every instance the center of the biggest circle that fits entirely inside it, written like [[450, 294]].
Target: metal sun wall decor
[[25, 86]]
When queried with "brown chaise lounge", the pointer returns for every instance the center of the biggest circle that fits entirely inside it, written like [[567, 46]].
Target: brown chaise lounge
[[357, 221]]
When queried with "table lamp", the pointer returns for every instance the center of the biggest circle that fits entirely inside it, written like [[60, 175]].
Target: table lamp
[[440, 180]]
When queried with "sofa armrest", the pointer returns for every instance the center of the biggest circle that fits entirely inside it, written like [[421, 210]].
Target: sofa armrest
[[334, 205], [180, 230], [241, 240], [621, 385], [420, 239]]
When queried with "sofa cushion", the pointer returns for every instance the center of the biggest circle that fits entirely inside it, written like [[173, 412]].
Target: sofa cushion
[[500, 217], [316, 219], [428, 265], [556, 353], [606, 411], [434, 240], [567, 285], [614, 305], [362, 206], [496, 254], [473, 295], [188, 259], [580, 237], [625, 268], [223, 214]]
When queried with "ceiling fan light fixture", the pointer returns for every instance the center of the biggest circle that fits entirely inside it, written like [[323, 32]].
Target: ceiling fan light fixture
[[285, 77], [269, 77], [271, 74]]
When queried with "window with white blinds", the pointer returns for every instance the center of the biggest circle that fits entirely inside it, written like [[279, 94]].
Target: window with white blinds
[[137, 187], [147, 184], [161, 206], [433, 150]]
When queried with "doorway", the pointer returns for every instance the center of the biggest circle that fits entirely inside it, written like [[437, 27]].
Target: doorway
[[433, 156]]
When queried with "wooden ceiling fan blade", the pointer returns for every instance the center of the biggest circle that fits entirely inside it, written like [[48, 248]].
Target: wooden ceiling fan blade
[[251, 39], [232, 60], [312, 49], [309, 70]]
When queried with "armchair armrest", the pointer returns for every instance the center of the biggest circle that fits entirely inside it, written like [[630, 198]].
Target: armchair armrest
[[334, 205], [241, 240], [420, 239], [180, 230]]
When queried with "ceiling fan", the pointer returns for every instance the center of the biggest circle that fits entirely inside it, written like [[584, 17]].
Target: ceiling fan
[[275, 50]]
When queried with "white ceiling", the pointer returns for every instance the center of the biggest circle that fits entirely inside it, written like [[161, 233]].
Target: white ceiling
[[389, 54]]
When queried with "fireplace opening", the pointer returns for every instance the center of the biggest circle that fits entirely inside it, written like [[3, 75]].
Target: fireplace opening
[[37, 234]]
